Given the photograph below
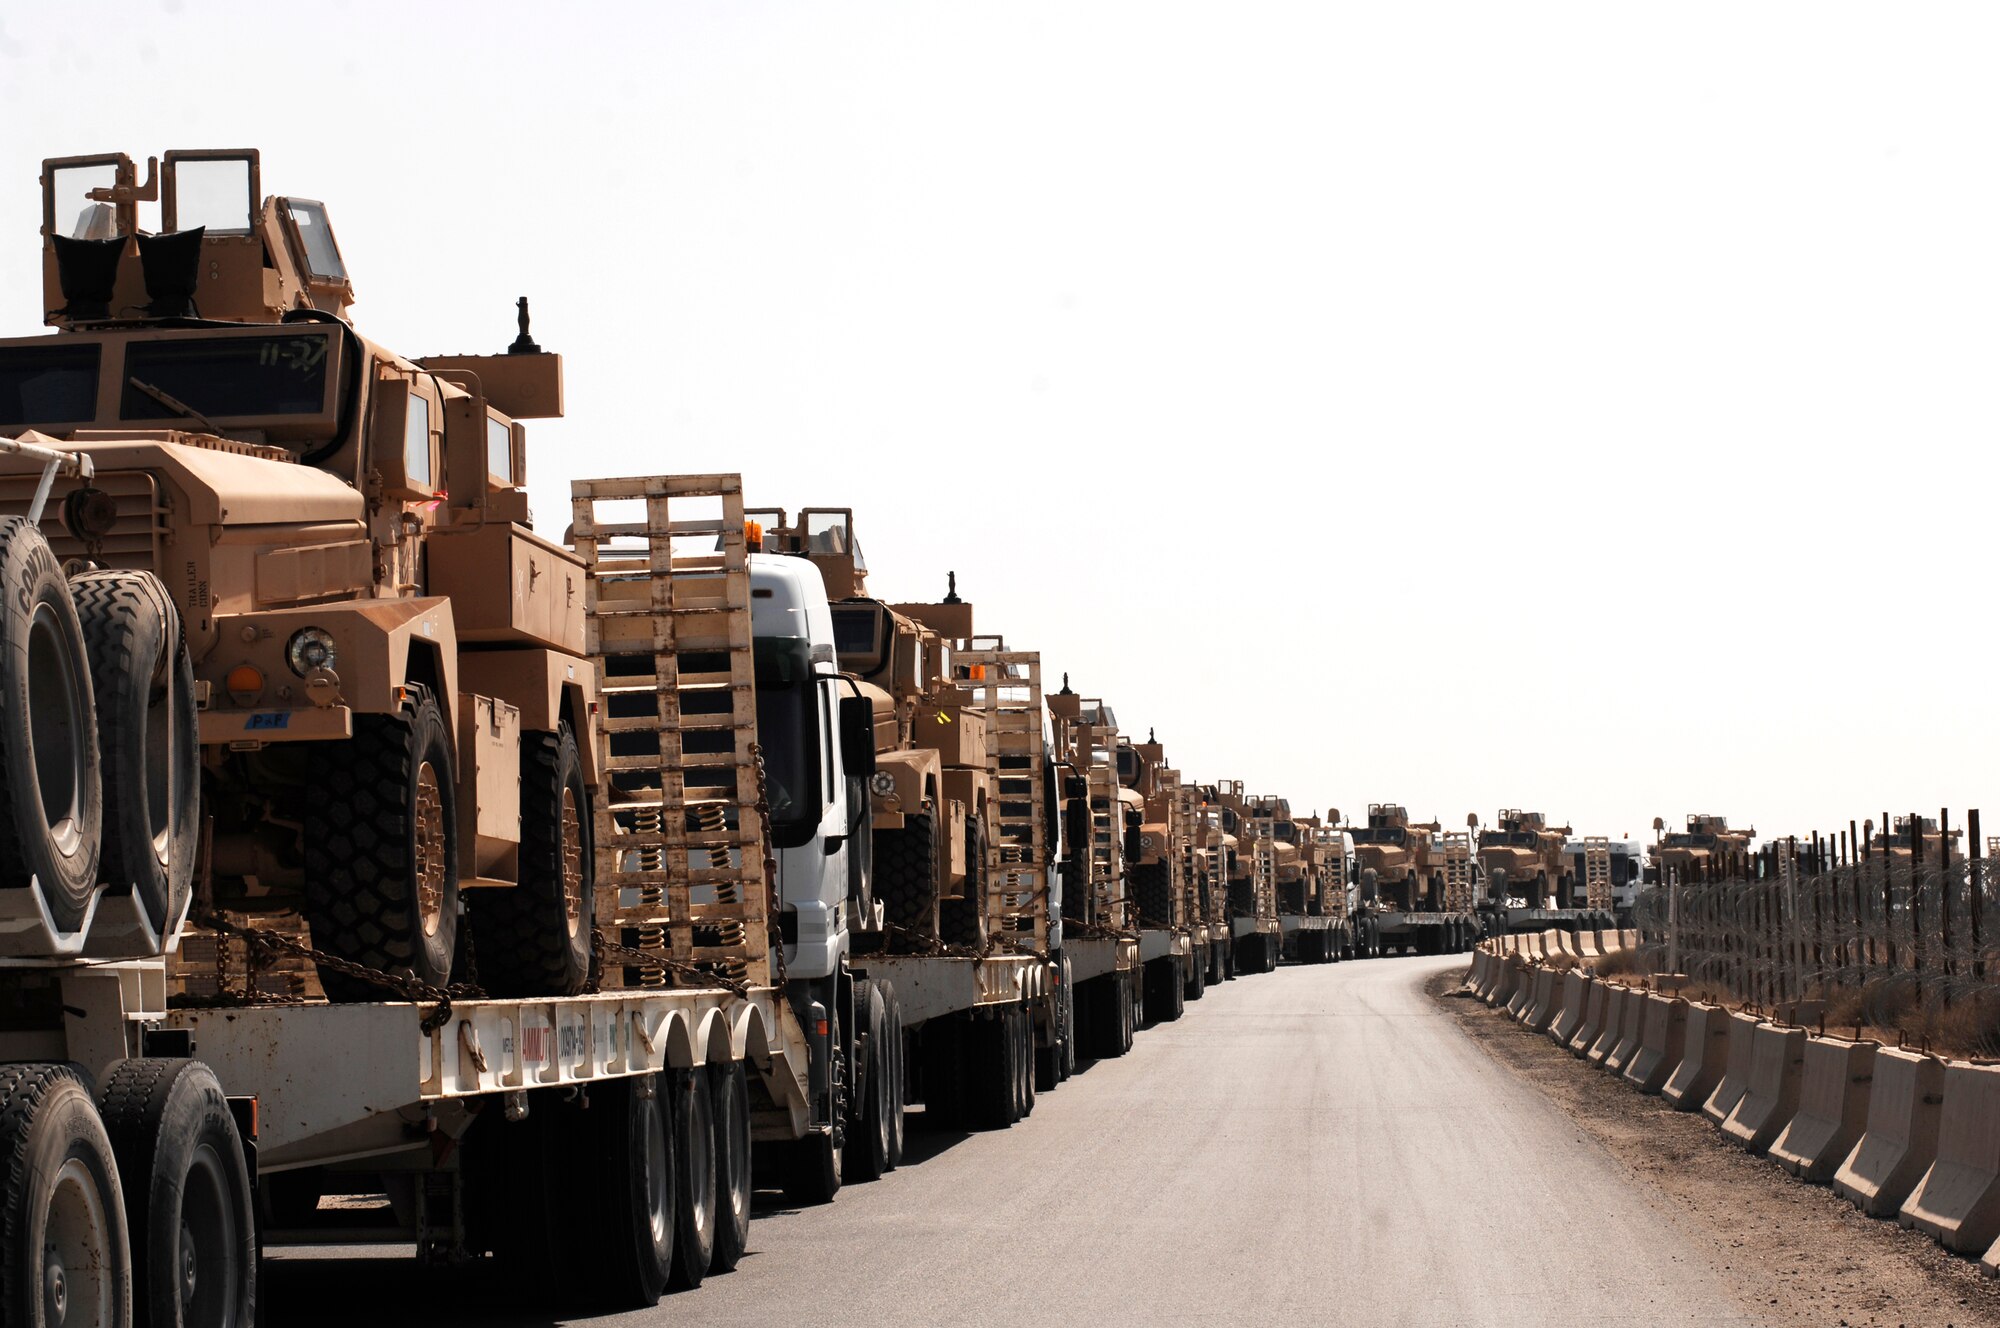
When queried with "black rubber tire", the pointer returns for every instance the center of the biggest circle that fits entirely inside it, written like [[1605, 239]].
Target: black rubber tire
[[815, 1168], [181, 1163], [906, 873], [147, 740], [1152, 894], [696, 1173], [1197, 976], [1024, 1035], [729, 1081], [47, 1122], [1066, 1021], [361, 861], [526, 941], [940, 1052], [962, 921], [51, 788], [1541, 889], [898, 1079], [868, 1141], [993, 1077], [635, 1171]]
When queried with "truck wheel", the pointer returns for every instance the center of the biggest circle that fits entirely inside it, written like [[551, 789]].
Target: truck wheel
[[730, 1084], [382, 851], [1371, 887], [898, 1081], [629, 1236], [66, 1258], [1541, 889], [1565, 892], [938, 1063], [188, 1205], [814, 1171], [1067, 1006], [695, 1173], [1024, 1038], [51, 793], [868, 1129], [1132, 1010], [534, 940], [994, 1076], [143, 684], [906, 873], [1197, 977], [1496, 888], [962, 921]]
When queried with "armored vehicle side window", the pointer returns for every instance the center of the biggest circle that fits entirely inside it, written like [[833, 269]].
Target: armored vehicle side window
[[857, 636], [417, 442], [215, 193], [73, 214], [227, 377], [499, 451], [322, 257], [48, 385]]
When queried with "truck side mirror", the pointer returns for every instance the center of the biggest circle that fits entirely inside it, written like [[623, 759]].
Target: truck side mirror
[[857, 735]]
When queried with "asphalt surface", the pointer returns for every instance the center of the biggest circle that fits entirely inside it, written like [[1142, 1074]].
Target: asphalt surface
[[1315, 1145]]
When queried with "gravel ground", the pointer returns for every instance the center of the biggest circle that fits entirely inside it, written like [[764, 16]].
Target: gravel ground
[[1793, 1253]]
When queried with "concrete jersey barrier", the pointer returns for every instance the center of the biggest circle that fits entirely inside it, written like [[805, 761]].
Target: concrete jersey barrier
[[1595, 1001], [1771, 1089], [1958, 1199], [1900, 1142], [1575, 992], [1735, 1079], [1662, 1031], [1704, 1053], [1833, 1108], [1543, 1008], [1629, 1026], [1614, 1025]]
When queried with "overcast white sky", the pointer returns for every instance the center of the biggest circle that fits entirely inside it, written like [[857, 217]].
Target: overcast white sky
[[1578, 406]]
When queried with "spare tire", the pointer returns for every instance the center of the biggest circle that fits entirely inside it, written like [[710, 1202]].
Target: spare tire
[[51, 794], [143, 682]]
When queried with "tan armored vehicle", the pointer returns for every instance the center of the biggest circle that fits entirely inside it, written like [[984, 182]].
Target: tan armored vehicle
[[1708, 847], [1312, 886], [1165, 906], [1253, 878], [932, 793], [1212, 856], [1523, 858], [1917, 836], [1415, 884], [387, 678]]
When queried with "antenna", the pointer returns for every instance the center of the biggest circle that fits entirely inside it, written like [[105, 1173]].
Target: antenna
[[523, 344]]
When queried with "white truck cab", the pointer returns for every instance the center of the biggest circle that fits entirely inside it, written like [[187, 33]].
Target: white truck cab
[[813, 785]]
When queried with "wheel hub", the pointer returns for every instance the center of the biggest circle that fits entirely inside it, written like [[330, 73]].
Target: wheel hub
[[429, 840], [187, 1265], [55, 1293]]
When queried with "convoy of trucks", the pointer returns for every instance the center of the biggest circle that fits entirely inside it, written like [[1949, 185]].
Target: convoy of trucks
[[357, 839]]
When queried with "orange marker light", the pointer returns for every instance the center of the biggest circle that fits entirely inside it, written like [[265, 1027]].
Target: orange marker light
[[245, 680], [753, 535]]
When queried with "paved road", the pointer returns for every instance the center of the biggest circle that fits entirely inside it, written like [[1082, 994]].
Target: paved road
[[1314, 1145]]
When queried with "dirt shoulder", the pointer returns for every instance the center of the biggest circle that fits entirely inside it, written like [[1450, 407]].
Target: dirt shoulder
[[1794, 1253]]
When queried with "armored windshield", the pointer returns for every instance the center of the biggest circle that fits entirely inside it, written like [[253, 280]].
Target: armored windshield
[[51, 384], [226, 377]]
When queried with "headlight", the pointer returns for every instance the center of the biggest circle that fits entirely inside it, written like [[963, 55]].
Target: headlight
[[309, 649], [882, 784]]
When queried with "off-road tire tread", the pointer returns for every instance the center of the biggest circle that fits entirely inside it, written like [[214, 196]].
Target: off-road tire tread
[[906, 869], [356, 834], [522, 949], [22, 1088]]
